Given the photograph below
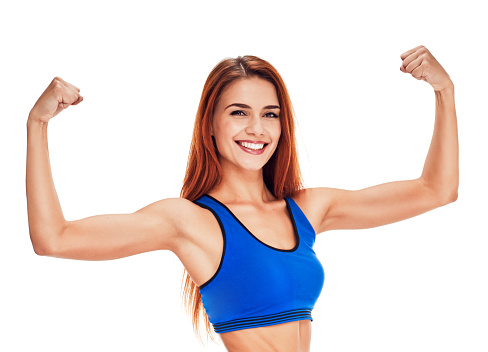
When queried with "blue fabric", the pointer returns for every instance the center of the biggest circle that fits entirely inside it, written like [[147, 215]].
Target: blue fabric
[[256, 284]]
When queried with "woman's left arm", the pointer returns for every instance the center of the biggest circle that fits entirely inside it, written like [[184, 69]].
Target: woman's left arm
[[394, 201], [441, 168]]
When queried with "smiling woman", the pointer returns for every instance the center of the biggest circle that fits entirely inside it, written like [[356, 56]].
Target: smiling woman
[[244, 227], [255, 129], [245, 122], [281, 174]]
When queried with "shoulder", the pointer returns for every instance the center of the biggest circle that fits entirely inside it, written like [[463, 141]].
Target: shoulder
[[175, 208], [312, 198], [191, 221], [185, 212], [184, 216], [315, 203]]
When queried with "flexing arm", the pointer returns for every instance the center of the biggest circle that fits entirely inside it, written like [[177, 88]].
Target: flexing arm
[[156, 226], [395, 201], [46, 220], [441, 168]]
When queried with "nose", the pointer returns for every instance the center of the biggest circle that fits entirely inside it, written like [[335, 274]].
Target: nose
[[255, 126]]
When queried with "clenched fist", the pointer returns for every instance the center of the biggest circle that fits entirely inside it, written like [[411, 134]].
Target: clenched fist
[[421, 64], [57, 97]]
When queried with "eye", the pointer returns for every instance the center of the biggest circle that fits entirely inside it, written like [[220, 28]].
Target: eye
[[238, 112], [271, 114]]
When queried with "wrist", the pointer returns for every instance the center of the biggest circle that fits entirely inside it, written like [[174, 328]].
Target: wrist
[[35, 119], [33, 122], [448, 89]]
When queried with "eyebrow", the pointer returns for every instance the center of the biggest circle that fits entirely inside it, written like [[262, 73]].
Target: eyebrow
[[244, 106]]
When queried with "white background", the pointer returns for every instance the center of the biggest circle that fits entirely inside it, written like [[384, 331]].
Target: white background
[[416, 285]]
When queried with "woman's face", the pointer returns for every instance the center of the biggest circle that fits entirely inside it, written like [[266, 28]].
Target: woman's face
[[246, 124]]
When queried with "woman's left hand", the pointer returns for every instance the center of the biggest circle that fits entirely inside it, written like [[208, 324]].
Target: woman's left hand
[[423, 65]]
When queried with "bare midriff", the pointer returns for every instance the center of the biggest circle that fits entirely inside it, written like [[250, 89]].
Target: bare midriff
[[294, 336]]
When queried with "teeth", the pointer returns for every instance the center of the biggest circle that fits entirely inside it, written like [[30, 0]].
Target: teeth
[[253, 146]]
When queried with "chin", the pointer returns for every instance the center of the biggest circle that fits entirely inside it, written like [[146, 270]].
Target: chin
[[252, 167]]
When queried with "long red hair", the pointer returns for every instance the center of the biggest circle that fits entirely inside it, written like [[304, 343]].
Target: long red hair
[[281, 173]]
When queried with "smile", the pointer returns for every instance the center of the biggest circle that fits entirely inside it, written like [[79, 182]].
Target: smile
[[252, 148]]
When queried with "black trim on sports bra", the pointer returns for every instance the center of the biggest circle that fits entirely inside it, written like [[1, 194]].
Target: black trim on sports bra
[[224, 245], [290, 213]]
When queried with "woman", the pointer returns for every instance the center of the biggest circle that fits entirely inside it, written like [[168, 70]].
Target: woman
[[244, 227]]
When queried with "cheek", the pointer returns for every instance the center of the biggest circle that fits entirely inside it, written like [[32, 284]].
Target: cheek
[[278, 130], [227, 129], [277, 136], [223, 133]]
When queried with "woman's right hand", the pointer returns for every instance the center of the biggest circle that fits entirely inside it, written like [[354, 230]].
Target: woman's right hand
[[57, 97]]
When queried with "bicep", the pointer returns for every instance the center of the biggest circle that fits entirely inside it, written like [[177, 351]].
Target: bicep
[[375, 206], [112, 236]]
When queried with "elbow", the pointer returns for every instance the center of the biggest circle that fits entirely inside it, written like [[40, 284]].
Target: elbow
[[453, 197], [442, 195], [45, 245], [449, 197], [43, 249]]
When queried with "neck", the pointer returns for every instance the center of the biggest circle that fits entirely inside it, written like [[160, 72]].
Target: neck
[[239, 186]]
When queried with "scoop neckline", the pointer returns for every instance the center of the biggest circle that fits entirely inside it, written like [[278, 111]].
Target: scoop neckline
[[290, 213]]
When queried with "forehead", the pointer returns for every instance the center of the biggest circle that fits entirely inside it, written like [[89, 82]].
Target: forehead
[[255, 92]]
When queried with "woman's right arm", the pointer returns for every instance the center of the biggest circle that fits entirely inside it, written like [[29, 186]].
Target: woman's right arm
[[100, 237]]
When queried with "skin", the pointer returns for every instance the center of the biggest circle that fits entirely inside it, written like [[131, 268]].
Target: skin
[[195, 237]]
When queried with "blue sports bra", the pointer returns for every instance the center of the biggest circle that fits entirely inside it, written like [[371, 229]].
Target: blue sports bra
[[256, 284]]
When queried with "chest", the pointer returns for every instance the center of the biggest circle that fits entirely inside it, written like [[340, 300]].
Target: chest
[[273, 226]]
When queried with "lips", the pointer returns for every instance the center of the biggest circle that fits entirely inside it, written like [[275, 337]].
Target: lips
[[252, 147]]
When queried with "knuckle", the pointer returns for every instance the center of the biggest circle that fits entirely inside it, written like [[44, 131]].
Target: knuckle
[[56, 83], [57, 88]]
